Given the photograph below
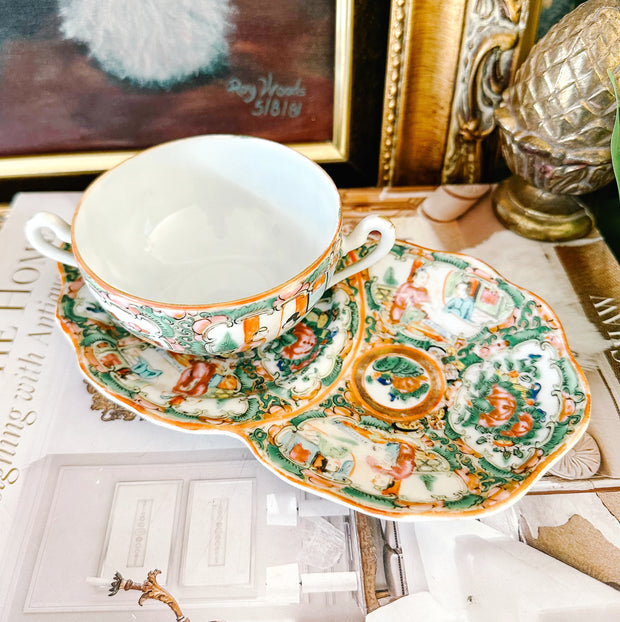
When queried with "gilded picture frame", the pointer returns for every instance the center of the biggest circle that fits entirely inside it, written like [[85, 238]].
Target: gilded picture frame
[[349, 150], [448, 64]]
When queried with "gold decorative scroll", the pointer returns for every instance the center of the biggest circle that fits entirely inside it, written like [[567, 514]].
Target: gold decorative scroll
[[448, 64], [496, 37]]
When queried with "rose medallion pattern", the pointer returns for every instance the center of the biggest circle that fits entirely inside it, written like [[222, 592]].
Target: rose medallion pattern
[[425, 387]]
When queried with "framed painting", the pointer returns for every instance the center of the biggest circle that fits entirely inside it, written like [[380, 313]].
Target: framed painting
[[84, 85]]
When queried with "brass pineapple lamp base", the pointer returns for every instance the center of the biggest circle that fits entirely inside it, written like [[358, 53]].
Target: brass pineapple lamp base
[[539, 214], [555, 123]]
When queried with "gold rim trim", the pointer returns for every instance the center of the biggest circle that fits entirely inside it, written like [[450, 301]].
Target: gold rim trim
[[429, 402]]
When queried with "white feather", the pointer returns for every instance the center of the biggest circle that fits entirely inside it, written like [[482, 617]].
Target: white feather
[[150, 42]]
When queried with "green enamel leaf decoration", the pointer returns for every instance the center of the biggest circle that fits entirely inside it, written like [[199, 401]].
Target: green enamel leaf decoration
[[457, 262], [372, 422], [428, 480], [464, 503], [284, 463], [226, 345], [615, 135], [374, 500], [398, 365], [313, 414]]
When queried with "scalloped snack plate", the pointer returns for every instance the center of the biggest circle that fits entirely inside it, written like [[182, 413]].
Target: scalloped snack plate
[[425, 387]]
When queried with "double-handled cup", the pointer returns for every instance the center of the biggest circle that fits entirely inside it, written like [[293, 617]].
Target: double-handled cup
[[210, 245]]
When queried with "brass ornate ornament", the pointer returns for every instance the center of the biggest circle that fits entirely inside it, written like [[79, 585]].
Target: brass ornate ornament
[[110, 411], [556, 122], [150, 590]]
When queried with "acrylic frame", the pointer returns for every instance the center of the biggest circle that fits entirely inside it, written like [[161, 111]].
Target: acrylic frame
[[350, 155], [55, 576]]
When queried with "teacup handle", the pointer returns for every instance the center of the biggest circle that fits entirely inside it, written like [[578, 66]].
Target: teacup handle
[[357, 237], [42, 221]]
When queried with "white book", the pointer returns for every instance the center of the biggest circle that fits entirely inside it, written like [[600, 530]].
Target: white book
[[46, 407], [83, 482]]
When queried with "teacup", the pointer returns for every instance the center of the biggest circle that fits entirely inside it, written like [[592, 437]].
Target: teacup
[[210, 245]]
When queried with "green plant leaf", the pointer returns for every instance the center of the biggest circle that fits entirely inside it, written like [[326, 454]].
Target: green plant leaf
[[615, 135]]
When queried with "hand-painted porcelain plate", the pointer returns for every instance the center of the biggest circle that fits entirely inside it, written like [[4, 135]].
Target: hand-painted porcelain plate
[[426, 387]]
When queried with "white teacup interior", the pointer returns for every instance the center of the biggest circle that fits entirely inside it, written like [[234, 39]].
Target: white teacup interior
[[206, 220]]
